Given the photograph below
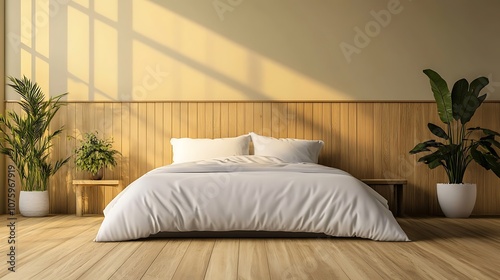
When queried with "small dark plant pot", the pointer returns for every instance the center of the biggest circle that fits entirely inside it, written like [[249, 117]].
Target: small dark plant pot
[[98, 176]]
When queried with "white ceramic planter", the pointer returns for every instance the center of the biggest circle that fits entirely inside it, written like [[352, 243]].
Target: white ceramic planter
[[34, 204], [456, 200]]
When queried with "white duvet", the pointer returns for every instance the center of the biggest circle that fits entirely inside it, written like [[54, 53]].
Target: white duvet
[[248, 193]]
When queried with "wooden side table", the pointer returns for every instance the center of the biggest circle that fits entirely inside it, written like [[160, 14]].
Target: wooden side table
[[80, 184], [397, 187]]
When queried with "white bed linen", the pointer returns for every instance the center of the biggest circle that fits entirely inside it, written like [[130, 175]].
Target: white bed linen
[[248, 194]]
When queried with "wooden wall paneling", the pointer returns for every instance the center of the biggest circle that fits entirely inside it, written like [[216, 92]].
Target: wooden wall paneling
[[99, 125], [488, 186], [326, 121], [249, 118], [106, 125], [158, 132], [55, 181], [407, 139], [258, 118], [413, 176], [151, 128], [377, 141], [394, 127], [281, 116], [308, 120], [364, 134], [63, 178], [352, 139], [377, 168], [88, 125], [209, 120], [275, 121], [224, 120], [344, 136], [167, 133], [134, 142], [202, 121], [266, 120], [217, 120], [192, 120], [68, 148], [184, 117], [114, 131], [336, 135], [300, 121], [76, 133], [292, 120], [124, 136], [317, 126], [142, 139], [240, 119], [176, 121], [396, 152], [389, 138], [233, 121], [365, 139], [386, 140]]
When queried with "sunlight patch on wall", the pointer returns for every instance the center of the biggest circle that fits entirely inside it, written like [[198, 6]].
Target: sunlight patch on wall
[[42, 74], [78, 54], [108, 9], [83, 3], [105, 62], [209, 66], [26, 63], [26, 17]]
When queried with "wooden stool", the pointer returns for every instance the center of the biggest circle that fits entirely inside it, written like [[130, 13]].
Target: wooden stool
[[80, 184]]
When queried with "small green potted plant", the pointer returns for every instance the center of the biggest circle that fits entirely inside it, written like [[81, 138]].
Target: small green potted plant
[[26, 139], [94, 155], [460, 145]]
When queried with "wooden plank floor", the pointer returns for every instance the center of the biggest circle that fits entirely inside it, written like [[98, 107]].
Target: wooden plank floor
[[61, 247]]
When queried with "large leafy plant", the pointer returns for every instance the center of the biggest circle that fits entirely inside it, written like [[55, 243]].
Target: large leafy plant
[[459, 147], [95, 153], [26, 138]]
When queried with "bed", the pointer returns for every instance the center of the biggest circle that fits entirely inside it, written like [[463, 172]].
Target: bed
[[238, 192]]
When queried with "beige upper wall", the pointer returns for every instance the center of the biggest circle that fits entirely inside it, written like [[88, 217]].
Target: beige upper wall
[[251, 50]]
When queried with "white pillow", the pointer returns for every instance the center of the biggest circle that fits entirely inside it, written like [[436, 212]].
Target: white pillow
[[189, 149], [287, 149]]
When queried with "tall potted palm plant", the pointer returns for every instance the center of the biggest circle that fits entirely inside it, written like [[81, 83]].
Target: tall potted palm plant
[[27, 141], [459, 145]]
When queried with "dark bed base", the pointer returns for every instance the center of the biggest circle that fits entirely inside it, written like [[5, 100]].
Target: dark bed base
[[238, 234]]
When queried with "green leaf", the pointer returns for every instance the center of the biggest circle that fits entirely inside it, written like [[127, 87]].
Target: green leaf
[[442, 96], [471, 104], [478, 84], [435, 163], [479, 158], [458, 97], [490, 132], [431, 157], [438, 131], [27, 135], [493, 142], [423, 147]]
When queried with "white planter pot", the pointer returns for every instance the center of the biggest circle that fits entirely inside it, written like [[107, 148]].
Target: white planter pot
[[456, 200], [34, 204]]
